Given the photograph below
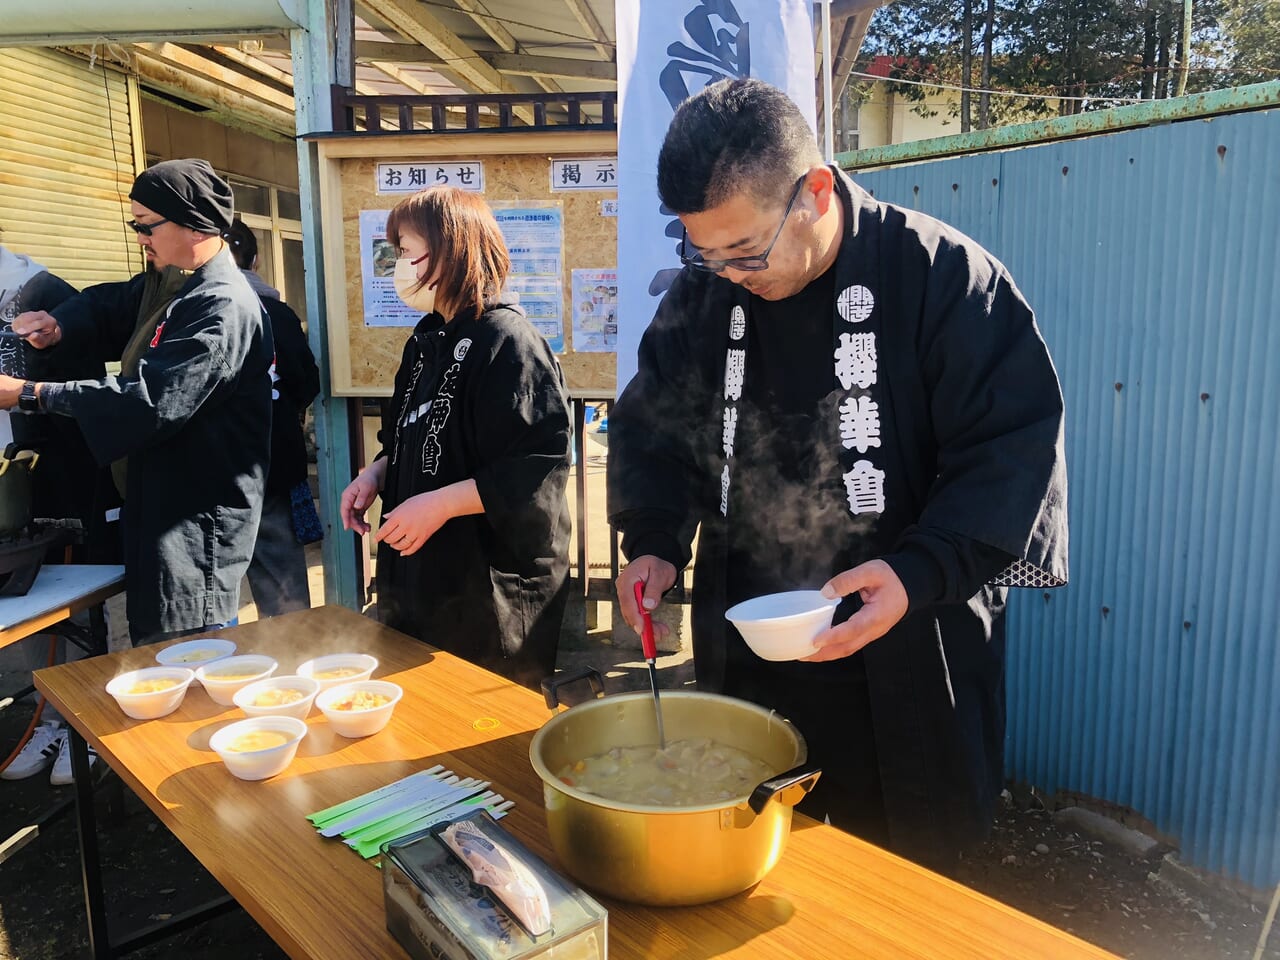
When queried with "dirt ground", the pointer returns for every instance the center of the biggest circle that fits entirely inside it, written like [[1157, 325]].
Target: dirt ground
[[1085, 886]]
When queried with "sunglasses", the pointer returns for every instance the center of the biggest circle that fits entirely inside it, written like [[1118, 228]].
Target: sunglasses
[[759, 261], [146, 229]]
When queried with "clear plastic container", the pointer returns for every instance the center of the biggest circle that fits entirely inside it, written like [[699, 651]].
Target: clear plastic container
[[436, 908]]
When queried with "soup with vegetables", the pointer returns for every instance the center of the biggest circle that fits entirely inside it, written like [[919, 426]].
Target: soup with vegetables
[[151, 686], [195, 656], [277, 698], [337, 673], [685, 774], [362, 700], [258, 740]]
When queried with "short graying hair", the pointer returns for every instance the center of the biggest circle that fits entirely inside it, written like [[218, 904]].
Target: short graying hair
[[734, 137]]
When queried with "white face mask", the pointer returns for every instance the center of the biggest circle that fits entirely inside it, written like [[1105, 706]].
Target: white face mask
[[410, 289]]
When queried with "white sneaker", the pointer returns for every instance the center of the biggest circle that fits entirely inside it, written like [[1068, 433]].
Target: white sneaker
[[62, 774], [39, 752]]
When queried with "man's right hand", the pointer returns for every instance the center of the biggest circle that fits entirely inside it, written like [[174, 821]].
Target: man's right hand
[[39, 328], [658, 576]]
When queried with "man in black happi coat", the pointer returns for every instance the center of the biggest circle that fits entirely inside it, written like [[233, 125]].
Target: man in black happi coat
[[841, 392]]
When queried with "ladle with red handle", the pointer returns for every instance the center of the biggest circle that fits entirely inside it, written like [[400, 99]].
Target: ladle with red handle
[[650, 647]]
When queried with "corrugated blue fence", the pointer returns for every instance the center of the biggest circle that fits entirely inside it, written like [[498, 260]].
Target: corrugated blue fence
[[1150, 256]]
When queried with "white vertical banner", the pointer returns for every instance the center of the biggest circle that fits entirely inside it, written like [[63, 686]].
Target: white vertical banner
[[667, 50]]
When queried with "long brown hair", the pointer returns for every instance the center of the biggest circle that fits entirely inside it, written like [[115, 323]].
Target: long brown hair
[[463, 242]]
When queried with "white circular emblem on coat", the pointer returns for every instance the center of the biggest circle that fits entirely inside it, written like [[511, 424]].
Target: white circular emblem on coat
[[461, 349], [737, 323], [855, 303]]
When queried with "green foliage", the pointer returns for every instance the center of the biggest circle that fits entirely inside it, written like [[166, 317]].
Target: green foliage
[[1251, 40], [1088, 54]]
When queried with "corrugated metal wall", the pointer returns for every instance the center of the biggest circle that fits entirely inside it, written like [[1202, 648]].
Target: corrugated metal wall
[[1150, 256]]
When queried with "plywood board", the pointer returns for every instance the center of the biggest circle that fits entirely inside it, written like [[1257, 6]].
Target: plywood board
[[517, 169]]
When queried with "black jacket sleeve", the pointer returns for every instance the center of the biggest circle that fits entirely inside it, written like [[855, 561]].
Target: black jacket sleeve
[[520, 419], [295, 363], [188, 365], [98, 321], [658, 434], [997, 415]]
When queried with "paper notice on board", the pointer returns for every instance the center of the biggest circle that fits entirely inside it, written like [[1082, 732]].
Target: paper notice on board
[[535, 240], [382, 308], [595, 310]]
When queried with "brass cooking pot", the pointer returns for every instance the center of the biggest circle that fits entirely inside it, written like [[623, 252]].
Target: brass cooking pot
[[658, 855], [15, 489]]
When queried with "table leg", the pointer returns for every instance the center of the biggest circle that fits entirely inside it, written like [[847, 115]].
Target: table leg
[[90, 866], [98, 628], [580, 486]]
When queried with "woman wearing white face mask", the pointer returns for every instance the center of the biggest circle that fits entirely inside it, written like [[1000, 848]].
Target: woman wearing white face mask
[[473, 546]]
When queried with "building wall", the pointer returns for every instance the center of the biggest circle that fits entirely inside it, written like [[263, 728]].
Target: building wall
[[886, 117], [171, 134], [68, 150]]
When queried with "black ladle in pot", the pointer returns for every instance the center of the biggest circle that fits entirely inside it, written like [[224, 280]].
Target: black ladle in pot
[[650, 647]]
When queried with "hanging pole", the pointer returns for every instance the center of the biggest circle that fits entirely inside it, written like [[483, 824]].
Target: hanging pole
[[827, 121]]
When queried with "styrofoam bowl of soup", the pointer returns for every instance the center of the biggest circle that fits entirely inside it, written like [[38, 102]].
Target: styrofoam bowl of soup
[[259, 747], [782, 626], [221, 680], [359, 709], [151, 692], [278, 697], [338, 668], [195, 653]]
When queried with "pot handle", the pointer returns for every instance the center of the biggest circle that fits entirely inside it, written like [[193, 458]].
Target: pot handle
[[787, 788], [551, 686]]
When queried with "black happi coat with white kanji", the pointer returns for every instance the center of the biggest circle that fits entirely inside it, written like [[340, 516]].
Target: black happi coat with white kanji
[[920, 421], [195, 426], [481, 398]]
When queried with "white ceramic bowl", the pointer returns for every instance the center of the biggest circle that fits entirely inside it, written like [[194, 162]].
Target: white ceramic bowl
[[148, 706], [221, 680], [781, 626], [362, 664], [195, 653], [358, 723], [246, 696], [258, 764]]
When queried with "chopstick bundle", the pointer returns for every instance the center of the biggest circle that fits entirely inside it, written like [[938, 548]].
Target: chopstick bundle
[[406, 806]]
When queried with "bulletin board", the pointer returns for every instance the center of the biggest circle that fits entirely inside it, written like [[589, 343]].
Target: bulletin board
[[517, 171]]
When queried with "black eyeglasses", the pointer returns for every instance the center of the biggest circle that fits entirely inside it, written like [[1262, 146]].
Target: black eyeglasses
[[145, 229], [758, 261]]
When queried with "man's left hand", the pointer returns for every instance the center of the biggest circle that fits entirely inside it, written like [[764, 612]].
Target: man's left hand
[[884, 603], [406, 528], [10, 387]]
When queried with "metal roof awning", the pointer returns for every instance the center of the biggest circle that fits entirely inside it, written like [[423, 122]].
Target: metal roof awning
[[93, 21]]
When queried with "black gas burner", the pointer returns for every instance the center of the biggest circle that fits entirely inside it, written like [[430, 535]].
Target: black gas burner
[[23, 553]]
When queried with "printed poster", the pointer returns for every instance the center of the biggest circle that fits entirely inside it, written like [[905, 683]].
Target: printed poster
[[535, 240], [382, 308], [595, 310]]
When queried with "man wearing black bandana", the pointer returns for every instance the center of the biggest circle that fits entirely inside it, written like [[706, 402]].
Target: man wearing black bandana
[[186, 424], [844, 394]]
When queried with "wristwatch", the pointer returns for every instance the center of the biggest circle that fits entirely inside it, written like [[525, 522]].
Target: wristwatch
[[27, 399]]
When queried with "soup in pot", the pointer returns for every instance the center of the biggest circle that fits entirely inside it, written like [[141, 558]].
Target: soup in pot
[[686, 773]]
